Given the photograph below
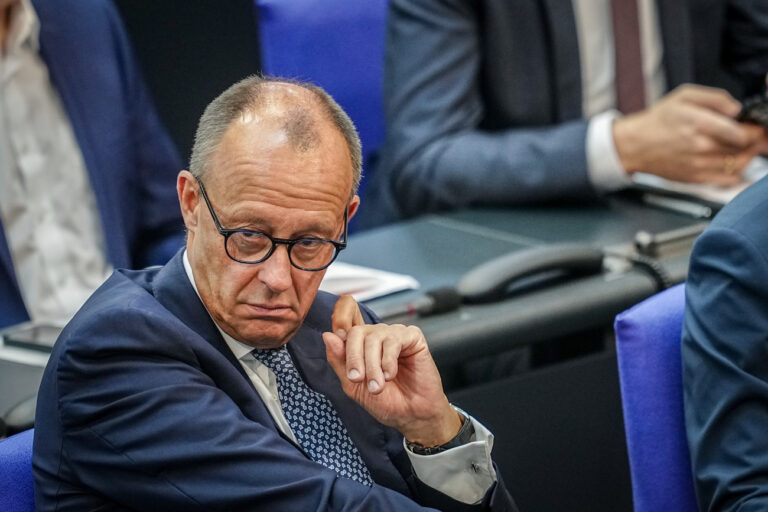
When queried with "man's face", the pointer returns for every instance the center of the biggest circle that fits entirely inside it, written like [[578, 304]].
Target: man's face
[[259, 181]]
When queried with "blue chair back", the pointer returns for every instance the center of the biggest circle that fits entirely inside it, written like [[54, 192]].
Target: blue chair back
[[336, 44], [17, 492], [650, 375]]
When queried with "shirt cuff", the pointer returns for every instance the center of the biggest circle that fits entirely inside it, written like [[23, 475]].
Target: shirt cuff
[[464, 473], [603, 165]]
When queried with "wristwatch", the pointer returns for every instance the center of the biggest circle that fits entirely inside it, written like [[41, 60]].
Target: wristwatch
[[464, 436]]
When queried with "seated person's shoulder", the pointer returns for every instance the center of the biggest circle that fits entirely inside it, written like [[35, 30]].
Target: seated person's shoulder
[[745, 214], [123, 315]]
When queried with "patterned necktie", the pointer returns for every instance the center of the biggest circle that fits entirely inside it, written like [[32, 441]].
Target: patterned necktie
[[630, 81], [313, 419]]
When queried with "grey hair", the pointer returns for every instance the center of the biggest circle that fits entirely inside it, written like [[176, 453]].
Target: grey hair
[[249, 94]]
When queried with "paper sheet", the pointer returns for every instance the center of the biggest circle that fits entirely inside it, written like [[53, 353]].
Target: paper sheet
[[756, 169], [364, 283]]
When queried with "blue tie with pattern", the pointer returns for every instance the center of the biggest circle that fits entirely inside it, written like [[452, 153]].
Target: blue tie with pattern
[[313, 419]]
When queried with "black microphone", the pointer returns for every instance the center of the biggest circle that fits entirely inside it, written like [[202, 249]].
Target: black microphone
[[433, 302]]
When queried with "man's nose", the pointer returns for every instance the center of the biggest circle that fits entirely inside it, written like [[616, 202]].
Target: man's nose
[[276, 271]]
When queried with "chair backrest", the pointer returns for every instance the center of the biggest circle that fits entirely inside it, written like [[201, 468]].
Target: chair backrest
[[16, 484], [336, 44], [650, 375]]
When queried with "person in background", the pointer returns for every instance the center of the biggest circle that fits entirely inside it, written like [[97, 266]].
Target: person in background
[[725, 356], [86, 168], [224, 380], [503, 102]]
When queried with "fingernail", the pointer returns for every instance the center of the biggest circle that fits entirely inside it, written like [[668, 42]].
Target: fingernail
[[373, 386], [354, 374], [387, 375], [341, 333]]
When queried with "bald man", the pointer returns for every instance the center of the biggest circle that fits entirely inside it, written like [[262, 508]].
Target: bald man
[[225, 380]]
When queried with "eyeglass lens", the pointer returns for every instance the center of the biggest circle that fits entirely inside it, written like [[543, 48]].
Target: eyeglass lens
[[252, 247]]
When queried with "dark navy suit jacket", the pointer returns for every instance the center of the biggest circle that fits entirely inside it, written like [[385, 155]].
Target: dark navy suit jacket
[[483, 98], [143, 406], [130, 159], [725, 356]]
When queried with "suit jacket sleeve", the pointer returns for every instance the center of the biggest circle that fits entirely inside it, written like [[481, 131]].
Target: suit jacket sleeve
[[437, 155], [725, 370], [161, 232]]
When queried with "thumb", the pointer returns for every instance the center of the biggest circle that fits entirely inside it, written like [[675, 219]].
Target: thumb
[[336, 353]]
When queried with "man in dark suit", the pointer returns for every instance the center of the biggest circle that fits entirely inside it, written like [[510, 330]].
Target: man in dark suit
[[500, 102], [220, 381], [86, 168], [725, 362]]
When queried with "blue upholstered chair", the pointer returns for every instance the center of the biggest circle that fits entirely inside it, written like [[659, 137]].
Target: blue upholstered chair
[[16, 489], [648, 349], [336, 44]]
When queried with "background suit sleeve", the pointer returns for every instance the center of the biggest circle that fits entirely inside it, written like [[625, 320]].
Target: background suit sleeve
[[437, 155], [725, 371]]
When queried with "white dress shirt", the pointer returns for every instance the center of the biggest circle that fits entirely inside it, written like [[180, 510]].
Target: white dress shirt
[[47, 207], [464, 473], [595, 34]]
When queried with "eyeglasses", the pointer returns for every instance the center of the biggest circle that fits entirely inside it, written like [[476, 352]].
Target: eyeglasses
[[251, 247]]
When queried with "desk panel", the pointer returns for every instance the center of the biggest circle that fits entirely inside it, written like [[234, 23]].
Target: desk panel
[[612, 221]]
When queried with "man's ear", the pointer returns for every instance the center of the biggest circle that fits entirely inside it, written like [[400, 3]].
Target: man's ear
[[353, 205], [189, 198]]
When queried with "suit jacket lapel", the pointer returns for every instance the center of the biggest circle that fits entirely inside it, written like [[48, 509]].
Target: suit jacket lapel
[[675, 24], [174, 291], [566, 68]]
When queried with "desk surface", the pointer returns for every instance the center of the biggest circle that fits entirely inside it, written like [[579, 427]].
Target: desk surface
[[439, 249]]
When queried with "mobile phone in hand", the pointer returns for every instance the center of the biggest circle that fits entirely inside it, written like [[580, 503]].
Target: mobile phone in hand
[[754, 111]]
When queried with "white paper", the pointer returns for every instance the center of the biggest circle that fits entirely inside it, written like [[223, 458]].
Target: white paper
[[364, 283], [756, 169]]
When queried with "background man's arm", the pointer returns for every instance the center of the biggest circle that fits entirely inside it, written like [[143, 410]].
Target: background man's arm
[[437, 156]]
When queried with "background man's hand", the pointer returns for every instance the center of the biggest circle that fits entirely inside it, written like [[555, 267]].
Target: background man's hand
[[389, 371], [689, 135]]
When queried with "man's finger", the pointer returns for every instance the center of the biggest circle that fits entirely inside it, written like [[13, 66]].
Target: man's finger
[[718, 100], [725, 130], [335, 352], [355, 354], [390, 352], [346, 314], [373, 371]]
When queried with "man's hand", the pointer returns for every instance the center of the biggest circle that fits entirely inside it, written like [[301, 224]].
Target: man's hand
[[689, 135], [389, 371]]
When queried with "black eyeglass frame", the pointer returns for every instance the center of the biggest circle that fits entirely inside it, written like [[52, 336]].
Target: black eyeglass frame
[[288, 242]]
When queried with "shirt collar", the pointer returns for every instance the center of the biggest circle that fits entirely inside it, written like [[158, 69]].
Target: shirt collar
[[25, 27], [241, 350]]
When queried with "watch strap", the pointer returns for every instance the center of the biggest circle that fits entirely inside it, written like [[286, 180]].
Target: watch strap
[[464, 436]]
